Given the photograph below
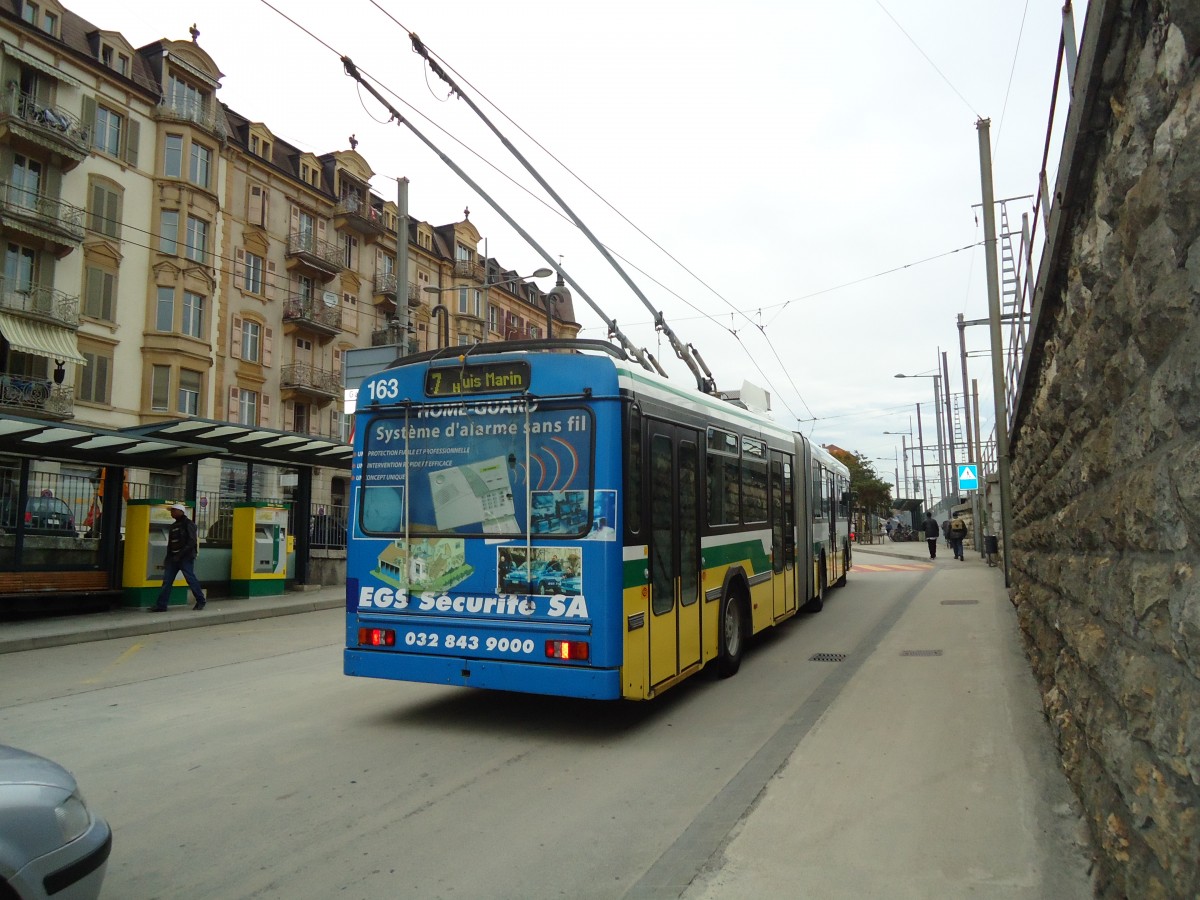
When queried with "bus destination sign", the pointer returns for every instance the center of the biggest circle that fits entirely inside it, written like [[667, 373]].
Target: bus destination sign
[[487, 378]]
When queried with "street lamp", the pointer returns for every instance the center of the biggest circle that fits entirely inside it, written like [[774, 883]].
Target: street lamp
[[440, 308], [937, 403], [904, 447]]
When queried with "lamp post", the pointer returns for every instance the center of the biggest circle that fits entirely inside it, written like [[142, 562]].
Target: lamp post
[[905, 447], [937, 403], [440, 308]]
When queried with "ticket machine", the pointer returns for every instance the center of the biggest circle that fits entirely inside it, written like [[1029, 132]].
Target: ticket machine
[[147, 523], [258, 566]]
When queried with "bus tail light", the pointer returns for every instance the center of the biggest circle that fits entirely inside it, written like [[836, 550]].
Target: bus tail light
[[566, 649], [376, 637]]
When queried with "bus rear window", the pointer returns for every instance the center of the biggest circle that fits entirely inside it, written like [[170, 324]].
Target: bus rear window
[[487, 468]]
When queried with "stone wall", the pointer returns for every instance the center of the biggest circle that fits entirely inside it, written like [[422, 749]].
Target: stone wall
[[1106, 468]]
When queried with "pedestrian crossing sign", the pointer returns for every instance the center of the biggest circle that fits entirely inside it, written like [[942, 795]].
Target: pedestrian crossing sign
[[968, 478]]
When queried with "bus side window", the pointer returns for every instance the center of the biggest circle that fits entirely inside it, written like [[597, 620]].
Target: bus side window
[[789, 512], [633, 471], [723, 477]]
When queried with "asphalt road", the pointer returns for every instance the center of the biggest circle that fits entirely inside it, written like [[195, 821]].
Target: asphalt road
[[237, 761]]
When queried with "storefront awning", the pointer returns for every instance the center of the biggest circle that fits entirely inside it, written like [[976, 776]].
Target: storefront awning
[[41, 338], [41, 65]]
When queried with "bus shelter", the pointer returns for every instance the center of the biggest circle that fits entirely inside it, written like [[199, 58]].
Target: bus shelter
[[64, 487]]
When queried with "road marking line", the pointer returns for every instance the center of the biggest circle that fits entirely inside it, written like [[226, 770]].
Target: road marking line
[[915, 567], [116, 662]]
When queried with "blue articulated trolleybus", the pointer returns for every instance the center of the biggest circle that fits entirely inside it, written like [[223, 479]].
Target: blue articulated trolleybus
[[550, 517]]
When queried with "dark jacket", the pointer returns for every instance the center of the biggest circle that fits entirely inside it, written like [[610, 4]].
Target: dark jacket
[[932, 530], [958, 529], [182, 543]]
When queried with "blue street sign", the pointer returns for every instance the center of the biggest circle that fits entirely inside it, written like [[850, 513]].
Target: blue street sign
[[968, 478]]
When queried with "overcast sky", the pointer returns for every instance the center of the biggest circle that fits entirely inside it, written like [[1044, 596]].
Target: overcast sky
[[807, 167]]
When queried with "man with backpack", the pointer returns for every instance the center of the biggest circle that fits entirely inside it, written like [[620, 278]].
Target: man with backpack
[[958, 532]]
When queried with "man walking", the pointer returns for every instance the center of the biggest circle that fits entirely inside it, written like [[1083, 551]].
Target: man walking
[[958, 532], [932, 532], [182, 546]]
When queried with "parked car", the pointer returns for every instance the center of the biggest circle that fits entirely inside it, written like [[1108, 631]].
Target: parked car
[[51, 844], [43, 515], [48, 515]]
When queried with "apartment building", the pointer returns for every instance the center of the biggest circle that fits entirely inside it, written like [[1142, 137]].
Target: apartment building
[[168, 260]]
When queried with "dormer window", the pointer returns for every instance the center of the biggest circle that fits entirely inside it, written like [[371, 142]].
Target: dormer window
[[260, 146], [186, 99], [114, 59], [37, 17]]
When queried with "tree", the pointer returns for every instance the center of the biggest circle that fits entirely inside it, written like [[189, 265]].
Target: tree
[[874, 495]]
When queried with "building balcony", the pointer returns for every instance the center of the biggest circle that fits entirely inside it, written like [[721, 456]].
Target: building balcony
[[306, 251], [353, 213], [309, 382], [205, 115], [29, 125], [37, 396], [37, 301], [313, 315], [58, 225], [390, 337], [384, 290], [468, 268]]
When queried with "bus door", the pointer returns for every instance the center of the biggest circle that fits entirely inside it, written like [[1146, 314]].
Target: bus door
[[834, 560], [783, 534], [673, 487]]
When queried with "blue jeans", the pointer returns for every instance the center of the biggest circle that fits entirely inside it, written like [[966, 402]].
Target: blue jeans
[[956, 544], [171, 568]]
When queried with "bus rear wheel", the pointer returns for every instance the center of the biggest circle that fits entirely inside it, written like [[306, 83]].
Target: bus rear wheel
[[817, 603], [733, 635]]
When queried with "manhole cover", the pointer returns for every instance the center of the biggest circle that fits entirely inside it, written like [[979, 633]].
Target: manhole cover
[[920, 652], [827, 657]]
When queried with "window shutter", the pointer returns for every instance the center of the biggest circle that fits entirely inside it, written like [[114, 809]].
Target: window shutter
[[97, 222], [92, 293], [233, 404], [235, 347], [112, 214], [269, 283], [264, 218], [255, 210], [264, 410], [320, 229], [295, 226], [349, 312], [239, 268], [289, 416], [133, 135], [268, 341], [88, 114]]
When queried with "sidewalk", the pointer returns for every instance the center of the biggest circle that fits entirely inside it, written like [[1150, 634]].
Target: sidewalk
[[931, 773], [33, 634]]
